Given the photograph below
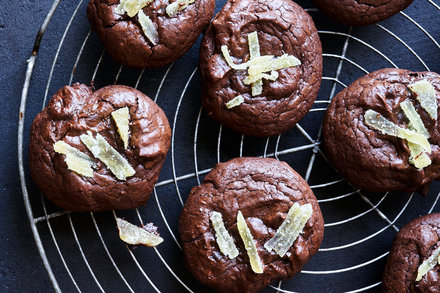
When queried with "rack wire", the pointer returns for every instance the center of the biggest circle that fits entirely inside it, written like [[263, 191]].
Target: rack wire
[[81, 251]]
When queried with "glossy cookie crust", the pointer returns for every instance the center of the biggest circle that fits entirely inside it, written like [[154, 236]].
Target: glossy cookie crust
[[360, 12], [263, 190], [412, 245], [283, 27], [366, 157], [125, 41], [76, 110]]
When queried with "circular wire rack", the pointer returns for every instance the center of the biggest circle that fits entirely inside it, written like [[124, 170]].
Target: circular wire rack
[[82, 251]]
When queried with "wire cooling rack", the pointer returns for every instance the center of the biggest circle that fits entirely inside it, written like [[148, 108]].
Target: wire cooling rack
[[81, 251]]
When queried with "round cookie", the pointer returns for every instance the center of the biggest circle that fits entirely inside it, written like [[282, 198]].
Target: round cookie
[[364, 155], [412, 245], [358, 13], [283, 101], [263, 190], [75, 111], [125, 40]]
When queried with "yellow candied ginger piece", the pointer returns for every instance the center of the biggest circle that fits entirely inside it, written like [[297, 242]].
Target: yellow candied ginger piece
[[229, 60], [248, 240], [258, 65], [257, 87], [254, 45], [417, 143], [377, 121], [243, 66], [254, 52], [122, 121], [176, 6], [257, 81], [418, 157], [103, 151], [425, 94], [135, 235], [76, 160], [275, 64], [428, 264], [421, 161], [272, 76], [224, 240], [119, 9], [258, 60], [415, 138], [148, 28], [132, 7], [290, 229], [237, 101], [415, 122]]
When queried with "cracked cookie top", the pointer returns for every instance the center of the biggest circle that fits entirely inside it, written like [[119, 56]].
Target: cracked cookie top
[[366, 156], [412, 246], [263, 190], [360, 12], [75, 113], [125, 38], [283, 30]]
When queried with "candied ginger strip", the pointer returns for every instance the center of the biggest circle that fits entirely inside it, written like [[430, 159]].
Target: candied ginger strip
[[102, 150], [132, 7], [428, 264], [148, 28], [248, 240], [425, 94], [237, 101], [76, 160], [415, 122], [135, 235], [377, 121], [122, 121], [290, 229], [177, 6], [223, 238], [272, 76], [277, 63]]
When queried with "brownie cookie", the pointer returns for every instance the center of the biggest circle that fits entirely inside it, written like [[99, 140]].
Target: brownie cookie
[[260, 73], [264, 191], [97, 151], [149, 33], [414, 247], [358, 13], [399, 158]]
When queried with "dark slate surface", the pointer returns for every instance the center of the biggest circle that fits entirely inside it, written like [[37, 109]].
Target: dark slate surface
[[21, 269]]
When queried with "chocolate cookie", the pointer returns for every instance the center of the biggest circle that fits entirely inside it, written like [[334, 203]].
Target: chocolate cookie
[[264, 191], [246, 89], [413, 246], [152, 33], [96, 151], [384, 161], [358, 13]]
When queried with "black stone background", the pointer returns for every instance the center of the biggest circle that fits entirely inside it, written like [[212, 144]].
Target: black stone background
[[21, 269]]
